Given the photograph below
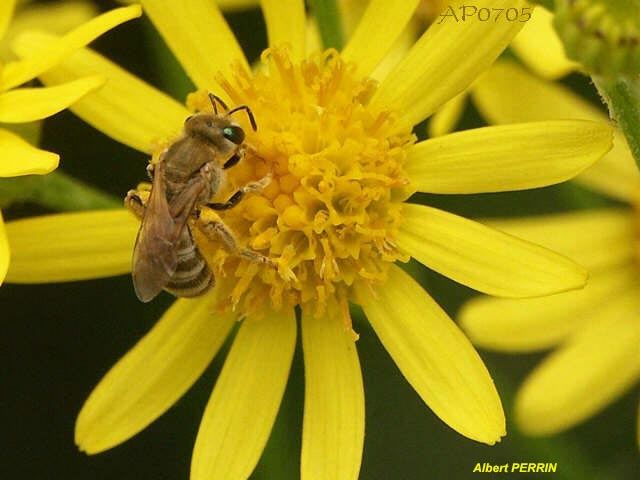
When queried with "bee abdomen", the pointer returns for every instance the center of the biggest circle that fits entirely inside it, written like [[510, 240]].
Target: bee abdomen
[[192, 276]]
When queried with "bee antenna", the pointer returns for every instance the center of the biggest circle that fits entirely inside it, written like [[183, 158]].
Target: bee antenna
[[214, 98], [246, 108]]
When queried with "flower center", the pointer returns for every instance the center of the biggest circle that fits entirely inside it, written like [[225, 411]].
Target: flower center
[[334, 203]]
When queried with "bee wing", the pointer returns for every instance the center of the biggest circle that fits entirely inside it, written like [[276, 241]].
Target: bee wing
[[154, 255]]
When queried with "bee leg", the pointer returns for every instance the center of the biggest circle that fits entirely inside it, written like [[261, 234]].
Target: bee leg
[[150, 168], [134, 202], [250, 187], [240, 154], [216, 229], [233, 160]]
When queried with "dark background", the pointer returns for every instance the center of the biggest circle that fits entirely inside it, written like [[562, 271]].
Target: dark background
[[57, 341]]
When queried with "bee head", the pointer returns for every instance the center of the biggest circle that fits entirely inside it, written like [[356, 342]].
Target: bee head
[[215, 129]]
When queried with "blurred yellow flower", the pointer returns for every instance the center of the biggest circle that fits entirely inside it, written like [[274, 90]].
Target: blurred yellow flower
[[539, 48], [343, 161], [22, 105], [595, 331], [54, 17], [225, 5]]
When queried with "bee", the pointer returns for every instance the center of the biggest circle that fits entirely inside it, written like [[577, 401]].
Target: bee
[[187, 175]]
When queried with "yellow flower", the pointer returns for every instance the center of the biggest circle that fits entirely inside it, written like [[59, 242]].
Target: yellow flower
[[595, 331], [343, 159], [22, 105]]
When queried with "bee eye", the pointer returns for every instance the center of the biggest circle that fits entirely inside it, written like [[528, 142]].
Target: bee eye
[[233, 134]]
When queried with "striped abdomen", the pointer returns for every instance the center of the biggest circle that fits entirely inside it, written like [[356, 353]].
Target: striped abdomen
[[192, 276]]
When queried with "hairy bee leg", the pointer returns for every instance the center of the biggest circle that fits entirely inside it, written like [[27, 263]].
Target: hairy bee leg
[[134, 202], [234, 159], [236, 197], [218, 230], [240, 154]]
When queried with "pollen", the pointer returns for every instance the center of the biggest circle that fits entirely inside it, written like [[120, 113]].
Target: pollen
[[330, 214]]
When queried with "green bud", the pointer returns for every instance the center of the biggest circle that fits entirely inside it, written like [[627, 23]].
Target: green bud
[[603, 35]]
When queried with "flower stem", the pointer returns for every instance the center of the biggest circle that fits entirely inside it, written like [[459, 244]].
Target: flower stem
[[622, 95], [329, 23], [56, 191]]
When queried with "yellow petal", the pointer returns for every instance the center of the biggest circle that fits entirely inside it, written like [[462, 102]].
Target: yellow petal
[[20, 158], [539, 46], [387, 20], [53, 52], [398, 51], [125, 108], [313, 41], [351, 12], [333, 428], [445, 119], [616, 174], [199, 37], [499, 95], [435, 357], [28, 104], [545, 100], [596, 239], [523, 325], [508, 157], [483, 258], [586, 374], [6, 12], [225, 5], [286, 23], [58, 18], [244, 403], [444, 62], [71, 246], [153, 375], [4, 251]]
